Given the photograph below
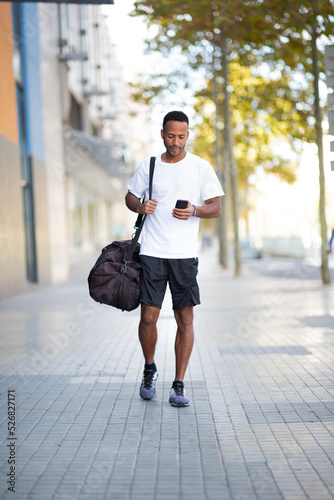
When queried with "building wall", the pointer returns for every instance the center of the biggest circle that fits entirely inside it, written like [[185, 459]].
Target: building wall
[[80, 192], [42, 230], [13, 264], [8, 116], [12, 244], [64, 191], [89, 189], [35, 135], [53, 89], [32, 80]]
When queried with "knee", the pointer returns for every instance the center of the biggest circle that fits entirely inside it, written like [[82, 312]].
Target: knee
[[147, 320], [184, 317], [149, 316]]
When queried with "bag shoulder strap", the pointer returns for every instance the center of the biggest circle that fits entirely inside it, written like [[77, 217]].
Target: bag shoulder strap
[[152, 165], [131, 249]]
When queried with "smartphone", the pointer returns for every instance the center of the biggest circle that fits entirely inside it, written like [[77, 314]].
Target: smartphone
[[181, 204]]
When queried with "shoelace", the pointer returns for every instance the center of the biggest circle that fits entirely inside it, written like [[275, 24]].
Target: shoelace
[[178, 389], [148, 378]]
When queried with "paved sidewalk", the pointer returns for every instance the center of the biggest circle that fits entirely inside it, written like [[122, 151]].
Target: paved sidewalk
[[261, 383]]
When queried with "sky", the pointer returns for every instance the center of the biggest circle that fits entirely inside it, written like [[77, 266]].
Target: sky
[[128, 35]]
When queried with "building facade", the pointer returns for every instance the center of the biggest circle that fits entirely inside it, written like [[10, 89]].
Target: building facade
[[64, 157]]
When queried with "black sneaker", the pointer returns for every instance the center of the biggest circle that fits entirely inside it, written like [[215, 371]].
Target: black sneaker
[[147, 388], [177, 395]]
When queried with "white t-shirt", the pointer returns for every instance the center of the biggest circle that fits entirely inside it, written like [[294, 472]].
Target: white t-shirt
[[191, 179]]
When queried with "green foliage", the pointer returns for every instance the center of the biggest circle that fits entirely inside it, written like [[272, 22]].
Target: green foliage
[[271, 92], [260, 119]]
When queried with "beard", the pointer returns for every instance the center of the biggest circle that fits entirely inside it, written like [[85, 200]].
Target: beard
[[174, 151]]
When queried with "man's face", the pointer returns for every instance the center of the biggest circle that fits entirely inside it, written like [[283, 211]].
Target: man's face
[[175, 135]]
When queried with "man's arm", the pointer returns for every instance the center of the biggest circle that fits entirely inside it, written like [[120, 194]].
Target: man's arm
[[210, 210], [134, 204]]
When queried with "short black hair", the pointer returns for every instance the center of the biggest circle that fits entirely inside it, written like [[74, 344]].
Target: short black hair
[[177, 116]]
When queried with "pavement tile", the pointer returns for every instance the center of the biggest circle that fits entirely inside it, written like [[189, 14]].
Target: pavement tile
[[261, 383]]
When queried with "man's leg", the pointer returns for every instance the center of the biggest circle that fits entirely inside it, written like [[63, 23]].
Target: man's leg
[[148, 333], [183, 346], [185, 295], [184, 340], [148, 339]]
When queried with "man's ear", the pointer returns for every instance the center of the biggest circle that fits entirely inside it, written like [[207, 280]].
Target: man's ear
[[162, 133]]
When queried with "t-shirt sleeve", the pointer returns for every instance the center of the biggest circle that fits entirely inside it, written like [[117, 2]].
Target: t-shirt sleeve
[[211, 187], [139, 182]]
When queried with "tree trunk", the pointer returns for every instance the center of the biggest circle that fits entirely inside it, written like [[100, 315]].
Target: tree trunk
[[222, 221], [228, 156], [319, 140]]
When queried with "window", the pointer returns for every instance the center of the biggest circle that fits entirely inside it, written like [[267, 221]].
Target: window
[[76, 115]]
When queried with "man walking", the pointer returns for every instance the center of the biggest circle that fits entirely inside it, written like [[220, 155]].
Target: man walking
[[168, 251]]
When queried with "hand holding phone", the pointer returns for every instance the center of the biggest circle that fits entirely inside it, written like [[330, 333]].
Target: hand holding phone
[[182, 210], [181, 204]]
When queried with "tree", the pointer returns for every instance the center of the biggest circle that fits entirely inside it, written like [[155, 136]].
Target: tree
[[292, 31], [276, 34], [260, 108]]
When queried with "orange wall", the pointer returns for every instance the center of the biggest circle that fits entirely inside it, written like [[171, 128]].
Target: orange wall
[[8, 113]]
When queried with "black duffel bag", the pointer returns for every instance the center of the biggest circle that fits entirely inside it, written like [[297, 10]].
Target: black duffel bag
[[114, 280], [115, 277]]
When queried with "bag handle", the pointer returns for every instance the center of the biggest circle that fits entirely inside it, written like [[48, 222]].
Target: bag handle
[[141, 219]]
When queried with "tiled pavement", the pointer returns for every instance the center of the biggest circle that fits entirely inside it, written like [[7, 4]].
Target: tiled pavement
[[261, 383]]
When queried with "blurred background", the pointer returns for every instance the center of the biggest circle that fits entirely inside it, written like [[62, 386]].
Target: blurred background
[[83, 91]]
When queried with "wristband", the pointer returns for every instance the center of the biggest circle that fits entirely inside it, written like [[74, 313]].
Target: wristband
[[194, 211]]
